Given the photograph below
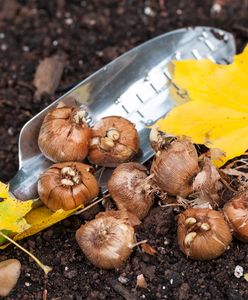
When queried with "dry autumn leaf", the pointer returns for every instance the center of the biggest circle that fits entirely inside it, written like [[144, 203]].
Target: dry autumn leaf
[[148, 249], [48, 74], [217, 114]]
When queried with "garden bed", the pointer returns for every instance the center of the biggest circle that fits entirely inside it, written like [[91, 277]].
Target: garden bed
[[90, 34]]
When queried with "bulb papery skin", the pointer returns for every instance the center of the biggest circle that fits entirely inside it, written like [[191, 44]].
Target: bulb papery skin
[[175, 166], [114, 140], [203, 233], [67, 185], [236, 213], [64, 135], [207, 184], [130, 189], [123, 215], [106, 241]]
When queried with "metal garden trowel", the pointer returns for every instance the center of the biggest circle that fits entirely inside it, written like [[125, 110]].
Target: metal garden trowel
[[136, 86]]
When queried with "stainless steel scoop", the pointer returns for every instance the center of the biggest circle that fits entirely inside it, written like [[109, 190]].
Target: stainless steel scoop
[[135, 86]]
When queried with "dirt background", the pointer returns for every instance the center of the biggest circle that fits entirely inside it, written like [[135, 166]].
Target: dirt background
[[92, 33]]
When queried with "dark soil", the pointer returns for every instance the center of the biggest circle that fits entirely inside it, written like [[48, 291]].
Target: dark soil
[[93, 33]]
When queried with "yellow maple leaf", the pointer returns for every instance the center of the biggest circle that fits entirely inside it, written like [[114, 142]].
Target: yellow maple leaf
[[12, 212], [217, 114], [41, 218]]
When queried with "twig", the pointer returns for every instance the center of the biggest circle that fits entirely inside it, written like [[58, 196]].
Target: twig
[[26, 85], [122, 291], [241, 28]]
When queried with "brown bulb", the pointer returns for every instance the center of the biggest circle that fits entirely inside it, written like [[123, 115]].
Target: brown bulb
[[125, 216], [131, 189], [203, 233], [106, 241], [64, 134], [114, 140], [175, 166], [67, 185], [236, 213]]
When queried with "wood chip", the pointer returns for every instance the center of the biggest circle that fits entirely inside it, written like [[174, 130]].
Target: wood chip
[[141, 282], [122, 291], [48, 74], [148, 249]]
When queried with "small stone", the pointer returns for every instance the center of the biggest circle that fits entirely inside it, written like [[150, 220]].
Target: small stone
[[215, 9], [174, 278], [166, 241], [123, 279], [27, 284], [161, 250], [11, 131], [99, 53], [10, 271], [239, 271], [68, 21], [4, 47], [149, 11], [25, 48]]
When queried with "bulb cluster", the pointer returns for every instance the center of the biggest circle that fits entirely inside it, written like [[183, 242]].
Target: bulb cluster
[[66, 138], [176, 171]]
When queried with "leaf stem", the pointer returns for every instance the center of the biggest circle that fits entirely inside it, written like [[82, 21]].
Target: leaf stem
[[45, 268], [91, 205]]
